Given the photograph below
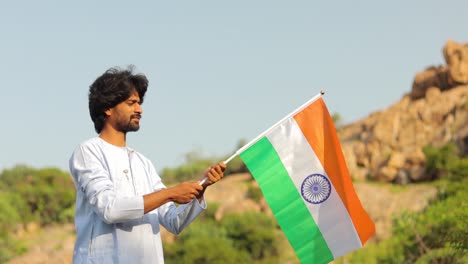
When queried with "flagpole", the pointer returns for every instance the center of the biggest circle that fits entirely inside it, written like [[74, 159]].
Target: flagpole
[[253, 141]]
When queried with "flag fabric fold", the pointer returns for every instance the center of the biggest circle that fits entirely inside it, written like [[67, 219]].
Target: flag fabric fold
[[301, 171]]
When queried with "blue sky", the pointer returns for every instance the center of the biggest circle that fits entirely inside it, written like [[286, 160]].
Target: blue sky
[[219, 71]]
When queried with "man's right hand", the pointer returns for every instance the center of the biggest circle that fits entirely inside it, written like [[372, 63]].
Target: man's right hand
[[185, 192], [182, 193]]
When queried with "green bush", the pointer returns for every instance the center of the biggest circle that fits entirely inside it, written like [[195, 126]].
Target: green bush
[[210, 211], [445, 162], [10, 247], [439, 234], [253, 232], [43, 196], [237, 238], [204, 243], [254, 193], [236, 165], [189, 172], [11, 205]]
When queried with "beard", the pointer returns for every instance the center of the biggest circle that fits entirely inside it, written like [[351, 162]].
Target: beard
[[130, 125]]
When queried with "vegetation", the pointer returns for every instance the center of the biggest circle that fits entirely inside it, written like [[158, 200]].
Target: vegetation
[[337, 119], [42, 196], [254, 192], [246, 238], [195, 164], [445, 162], [439, 234], [187, 172]]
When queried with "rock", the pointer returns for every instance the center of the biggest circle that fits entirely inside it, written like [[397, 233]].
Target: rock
[[432, 94], [383, 129], [444, 77], [418, 173], [397, 160], [360, 174], [387, 174], [456, 57], [415, 157], [360, 154], [389, 142], [430, 77]]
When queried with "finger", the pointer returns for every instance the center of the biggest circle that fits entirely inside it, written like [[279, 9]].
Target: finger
[[196, 186], [222, 165], [221, 172], [211, 177], [215, 176], [214, 173], [218, 169]]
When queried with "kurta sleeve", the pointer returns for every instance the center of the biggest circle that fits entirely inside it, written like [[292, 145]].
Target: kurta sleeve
[[91, 178], [175, 218]]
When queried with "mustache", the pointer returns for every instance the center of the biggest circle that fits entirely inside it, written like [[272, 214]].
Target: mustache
[[135, 116]]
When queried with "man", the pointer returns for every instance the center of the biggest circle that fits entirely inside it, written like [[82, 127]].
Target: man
[[120, 199]]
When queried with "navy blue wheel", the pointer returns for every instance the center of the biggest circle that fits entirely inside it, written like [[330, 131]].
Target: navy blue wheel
[[316, 188]]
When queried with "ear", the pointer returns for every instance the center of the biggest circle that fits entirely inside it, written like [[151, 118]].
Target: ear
[[108, 112]]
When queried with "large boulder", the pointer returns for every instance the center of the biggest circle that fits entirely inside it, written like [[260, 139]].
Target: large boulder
[[444, 77], [456, 57]]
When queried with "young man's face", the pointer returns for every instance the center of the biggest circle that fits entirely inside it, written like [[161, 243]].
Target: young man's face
[[126, 116]]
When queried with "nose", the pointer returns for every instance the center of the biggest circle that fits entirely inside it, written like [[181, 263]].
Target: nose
[[138, 108]]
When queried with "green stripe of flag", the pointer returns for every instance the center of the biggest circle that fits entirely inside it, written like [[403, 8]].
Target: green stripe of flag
[[286, 203]]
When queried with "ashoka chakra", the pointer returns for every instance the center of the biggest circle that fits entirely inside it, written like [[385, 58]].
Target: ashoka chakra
[[316, 188]]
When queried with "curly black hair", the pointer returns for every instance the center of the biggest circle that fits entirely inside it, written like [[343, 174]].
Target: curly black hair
[[113, 87]]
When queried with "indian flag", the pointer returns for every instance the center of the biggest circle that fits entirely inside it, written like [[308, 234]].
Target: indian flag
[[300, 168]]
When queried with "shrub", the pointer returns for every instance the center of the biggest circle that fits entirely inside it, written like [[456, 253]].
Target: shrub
[[254, 193], [204, 243], [436, 235], [238, 238], [439, 234], [445, 162], [188, 172], [236, 165], [27, 195], [253, 232]]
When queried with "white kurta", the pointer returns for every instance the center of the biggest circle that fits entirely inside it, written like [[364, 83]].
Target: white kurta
[[109, 220]]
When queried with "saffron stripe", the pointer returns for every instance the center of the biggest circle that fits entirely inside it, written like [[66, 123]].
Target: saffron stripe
[[317, 126], [286, 203]]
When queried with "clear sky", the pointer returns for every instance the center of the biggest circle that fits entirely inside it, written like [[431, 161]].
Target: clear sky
[[219, 71]]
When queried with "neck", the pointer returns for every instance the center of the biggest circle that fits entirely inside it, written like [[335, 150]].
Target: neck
[[113, 137]]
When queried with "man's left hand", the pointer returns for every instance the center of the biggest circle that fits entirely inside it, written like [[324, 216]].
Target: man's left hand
[[213, 174]]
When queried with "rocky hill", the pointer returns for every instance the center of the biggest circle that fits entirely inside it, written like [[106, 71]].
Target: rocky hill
[[387, 145]]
